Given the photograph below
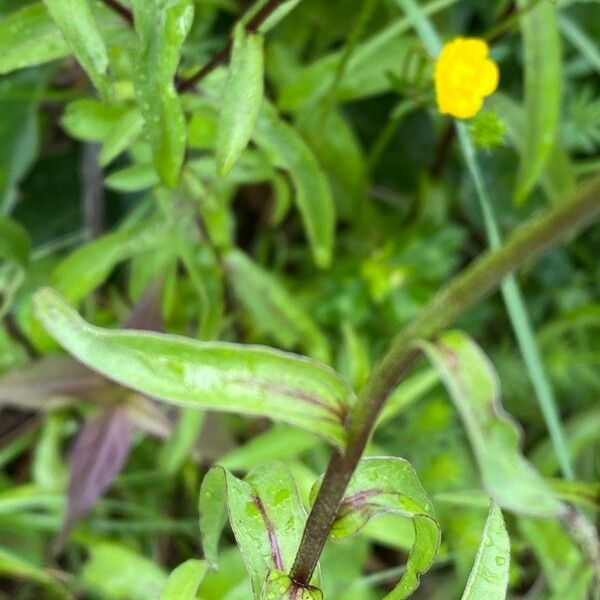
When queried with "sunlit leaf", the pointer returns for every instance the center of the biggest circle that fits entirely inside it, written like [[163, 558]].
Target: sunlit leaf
[[265, 513], [542, 57], [184, 581], [242, 98], [162, 28], [390, 485], [78, 25], [287, 150], [212, 375], [473, 385], [489, 577]]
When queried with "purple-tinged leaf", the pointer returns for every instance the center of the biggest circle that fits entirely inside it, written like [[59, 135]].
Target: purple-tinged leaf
[[280, 586]]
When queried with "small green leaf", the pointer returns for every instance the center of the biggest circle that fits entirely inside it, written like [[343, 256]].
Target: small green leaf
[[185, 434], [30, 37], [135, 178], [15, 244], [265, 513], [242, 97], [90, 120], [78, 25], [218, 376], [122, 134], [473, 385], [390, 485], [280, 586], [272, 307], [542, 55], [287, 150], [489, 577], [184, 581], [162, 28]]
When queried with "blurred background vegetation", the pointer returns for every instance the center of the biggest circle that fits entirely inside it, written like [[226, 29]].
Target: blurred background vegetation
[[229, 258]]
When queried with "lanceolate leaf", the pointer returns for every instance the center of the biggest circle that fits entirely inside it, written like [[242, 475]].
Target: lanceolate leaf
[[279, 586], [542, 57], [265, 513], [77, 23], [184, 581], [99, 453], [217, 376], [288, 151], [274, 310], [489, 577], [162, 27], [473, 385], [242, 97], [390, 485], [30, 37]]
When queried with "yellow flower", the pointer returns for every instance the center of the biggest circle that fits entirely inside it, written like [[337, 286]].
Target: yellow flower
[[464, 75]]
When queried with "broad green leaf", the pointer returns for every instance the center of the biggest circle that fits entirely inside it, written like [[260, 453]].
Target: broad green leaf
[[90, 120], [78, 25], [542, 57], [265, 514], [217, 376], [390, 485], [280, 586], [115, 572], [272, 307], [489, 577], [123, 133], [184, 581], [30, 37], [288, 151], [473, 385], [162, 27], [242, 97], [179, 445], [86, 268]]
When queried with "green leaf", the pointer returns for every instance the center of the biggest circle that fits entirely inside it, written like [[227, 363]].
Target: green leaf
[[185, 434], [162, 27], [473, 385], [265, 514], [272, 307], [115, 572], [489, 577], [122, 134], [86, 268], [287, 150], [90, 120], [242, 98], [184, 581], [542, 56], [79, 27], [280, 586], [132, 179], [218, 376], [390, 485], [30, 37], [15, 244]]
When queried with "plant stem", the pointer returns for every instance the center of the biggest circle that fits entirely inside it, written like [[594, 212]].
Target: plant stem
[[223, 55], [477, 281], [123, 12]]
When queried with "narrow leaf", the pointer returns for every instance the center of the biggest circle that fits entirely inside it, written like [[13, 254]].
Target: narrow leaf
[[280, 586], [217, 376], [390, 485], [30, 37], [473, 385], [489, 577], [77, 23], [242, 97], [162, 28], [265, 513], [184, 581], [542, 56], [181, 441], [287, 150], [98, 454], [272, 307]]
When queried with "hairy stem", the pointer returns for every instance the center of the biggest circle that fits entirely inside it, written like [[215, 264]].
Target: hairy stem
[[477, 281]]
